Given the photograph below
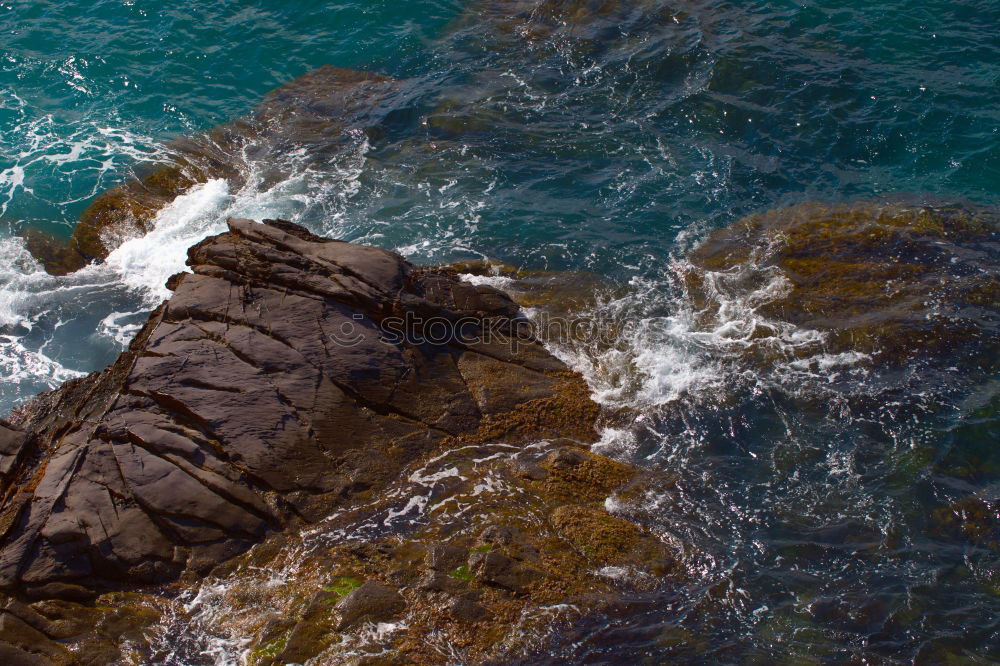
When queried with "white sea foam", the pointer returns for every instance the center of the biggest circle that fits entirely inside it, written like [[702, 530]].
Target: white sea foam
[[667, 350], [496, 281], [145, 262], [140, 266], [21, 365], [18, 365], [657, 358], [16, 268]]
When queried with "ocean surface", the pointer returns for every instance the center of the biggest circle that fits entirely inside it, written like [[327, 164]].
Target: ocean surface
[[814, 497]]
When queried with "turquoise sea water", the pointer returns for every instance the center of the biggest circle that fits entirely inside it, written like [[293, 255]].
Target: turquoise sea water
[[808, 499]]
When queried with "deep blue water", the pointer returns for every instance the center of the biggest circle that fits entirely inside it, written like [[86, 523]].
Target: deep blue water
[[809, 504]]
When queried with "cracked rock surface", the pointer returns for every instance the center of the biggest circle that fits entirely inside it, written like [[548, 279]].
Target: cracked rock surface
[[265, 391]]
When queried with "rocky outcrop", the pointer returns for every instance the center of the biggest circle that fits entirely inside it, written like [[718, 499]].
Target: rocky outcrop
[[286, 374], [13, 444], [312, 116], [389, 438]]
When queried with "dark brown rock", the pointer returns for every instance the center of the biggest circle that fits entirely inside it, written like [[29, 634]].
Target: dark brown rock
[[497, 569], [13, 445], [12, 656], [566, 459], [468, 610], [263, 392], [442, 557]]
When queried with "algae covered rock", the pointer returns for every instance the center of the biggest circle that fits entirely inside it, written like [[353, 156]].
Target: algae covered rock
[[972, 519], [460, 549], [494, 552], [892, 280], [68, 633], [608, 540], [498, 569], [369, 603]]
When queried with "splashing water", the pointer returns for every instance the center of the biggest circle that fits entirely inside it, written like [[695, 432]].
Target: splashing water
[[93, 313]]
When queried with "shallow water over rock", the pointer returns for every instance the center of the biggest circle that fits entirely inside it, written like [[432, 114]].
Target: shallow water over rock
[[895, 283]]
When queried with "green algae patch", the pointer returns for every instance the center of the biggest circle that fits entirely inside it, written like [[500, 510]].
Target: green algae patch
[[342, 587], [267, 651], [462, 573]]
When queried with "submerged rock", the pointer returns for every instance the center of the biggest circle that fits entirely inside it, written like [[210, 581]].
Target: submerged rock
[[889, 280], [590, 24], [543, 41], [311, 116], [497, 569]]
